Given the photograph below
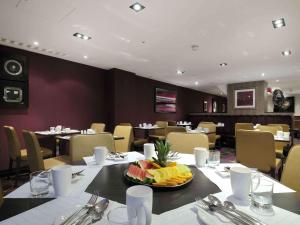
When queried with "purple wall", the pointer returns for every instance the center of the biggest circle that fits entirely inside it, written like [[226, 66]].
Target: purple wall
[[60, 92], [74, 95]]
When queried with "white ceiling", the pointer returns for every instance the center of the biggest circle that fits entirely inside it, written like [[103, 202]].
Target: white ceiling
[[157, 41]]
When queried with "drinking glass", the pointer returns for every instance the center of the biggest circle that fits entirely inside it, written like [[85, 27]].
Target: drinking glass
[[261, 196], [119, 216], [213, 159], [39, 183]]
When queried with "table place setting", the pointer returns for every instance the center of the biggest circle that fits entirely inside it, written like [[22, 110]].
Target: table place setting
[[58, 130], [184, 123], [147, 126]]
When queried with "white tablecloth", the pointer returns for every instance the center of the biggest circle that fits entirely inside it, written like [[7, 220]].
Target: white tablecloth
[[185, 215]]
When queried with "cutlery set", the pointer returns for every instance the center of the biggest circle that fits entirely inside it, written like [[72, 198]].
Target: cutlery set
[[116, 155], [90, 213], [227, 210]]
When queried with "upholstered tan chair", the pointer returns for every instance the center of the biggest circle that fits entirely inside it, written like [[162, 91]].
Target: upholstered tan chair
[[212, 136], [16, 154], [125, 124], [290, 175], [98, 127], [185, 143], [83, 145], [279, 145], [123, 145], [285, 127], [160, 134], [1, 194], [35, 159], [243, 126], [256, 149], [170, 129], [172, 123]]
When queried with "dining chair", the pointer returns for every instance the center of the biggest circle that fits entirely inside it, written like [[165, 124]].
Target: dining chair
[[285, 127], [172, 123], [125, 124], [35, 159], [185, 142], [98, 127], [212, 136], [256, 149], [243, 126], [290, 175], [159, 134], [18, 155], [1, 194], [170, 129], [83, 145], [123, 145], [279, 145]]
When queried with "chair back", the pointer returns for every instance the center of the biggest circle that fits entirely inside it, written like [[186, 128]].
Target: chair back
[[212, 136], [161, 132], [256, 149], [185, 143], [14, 146], [123, 145], [285, 127], [267, 128], [34, 154], [243, 126], [1, 194], [125, 124], [170, 129], [83, 145], [297, 124], [172, 123], [290, 175], [98, 127]]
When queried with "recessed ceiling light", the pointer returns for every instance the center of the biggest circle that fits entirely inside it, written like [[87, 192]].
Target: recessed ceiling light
[[223, 64], [196, 83], [82, 36], [180, 72], [35, 43], [137, 7], [85, 56], [286, 52], [278, 23], [263, 74], [195, 47], [277, 81]]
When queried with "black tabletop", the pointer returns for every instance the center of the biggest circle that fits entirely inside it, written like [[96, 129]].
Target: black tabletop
[[14, 206], [110, 183]]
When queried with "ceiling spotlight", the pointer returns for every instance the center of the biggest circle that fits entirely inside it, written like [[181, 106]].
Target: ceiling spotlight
[[137, 7], [195, 47], [180, 72], [223, 64], [263, 74], [278, 23], [286, 52], [85, 56], [82, 36], [277, 81], [35, 43], [196, 83]]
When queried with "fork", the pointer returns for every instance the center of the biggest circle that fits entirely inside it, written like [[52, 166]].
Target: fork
[[210, 207], [91, 202]]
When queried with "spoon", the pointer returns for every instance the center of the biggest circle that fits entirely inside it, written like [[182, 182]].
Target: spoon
[[231, 207], [100, 206], [99, 211]]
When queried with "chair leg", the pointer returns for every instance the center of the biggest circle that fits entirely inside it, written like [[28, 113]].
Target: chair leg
[[18, 165], [11, 161]]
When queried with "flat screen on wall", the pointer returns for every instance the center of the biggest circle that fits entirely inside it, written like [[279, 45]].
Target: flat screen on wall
[[165, 101]]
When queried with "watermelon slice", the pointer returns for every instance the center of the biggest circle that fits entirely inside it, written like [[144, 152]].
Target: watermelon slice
[[144, 164], [137, 173]]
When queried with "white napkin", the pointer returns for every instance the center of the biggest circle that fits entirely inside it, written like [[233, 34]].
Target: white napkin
[[89, 160]]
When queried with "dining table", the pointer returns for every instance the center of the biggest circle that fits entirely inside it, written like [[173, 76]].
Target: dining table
[[147, 129], [170, 207]]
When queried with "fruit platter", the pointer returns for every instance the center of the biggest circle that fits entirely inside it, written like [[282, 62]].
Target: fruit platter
[[158, 171]]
